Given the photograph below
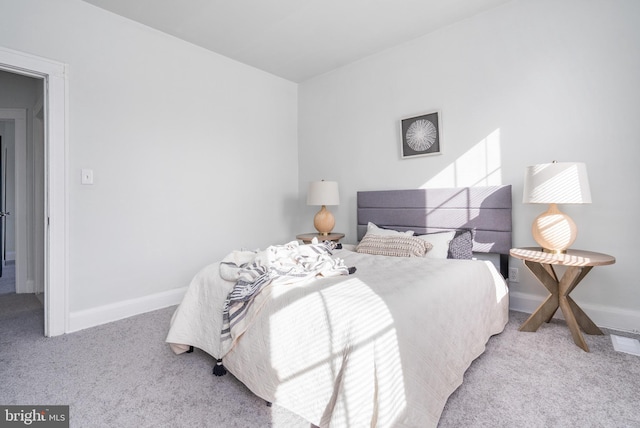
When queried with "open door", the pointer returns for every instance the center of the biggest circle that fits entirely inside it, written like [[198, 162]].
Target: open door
[[3, 205]]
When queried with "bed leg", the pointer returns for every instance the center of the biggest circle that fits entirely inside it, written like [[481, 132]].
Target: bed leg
[[268, 403], [190, 350], [218, 369]]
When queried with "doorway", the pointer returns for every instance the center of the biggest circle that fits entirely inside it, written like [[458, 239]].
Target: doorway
[[13, 188], [21, 185], [7, 238], [7, 263], [53, 203]]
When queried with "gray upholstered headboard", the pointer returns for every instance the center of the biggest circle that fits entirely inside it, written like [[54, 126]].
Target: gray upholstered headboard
[[485, 210]]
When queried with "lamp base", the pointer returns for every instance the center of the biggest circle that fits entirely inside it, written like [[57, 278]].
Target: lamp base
[[324, 221], [550, 251], [554, 231]]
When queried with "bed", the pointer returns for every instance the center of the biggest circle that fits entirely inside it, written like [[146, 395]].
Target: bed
[[383, 346]]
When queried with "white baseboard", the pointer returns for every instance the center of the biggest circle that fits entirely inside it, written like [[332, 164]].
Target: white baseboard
[[29, 287], [603, 316], [79, 320]]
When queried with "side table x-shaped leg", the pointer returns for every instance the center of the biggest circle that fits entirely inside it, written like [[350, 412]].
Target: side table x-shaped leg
[[559, 297]]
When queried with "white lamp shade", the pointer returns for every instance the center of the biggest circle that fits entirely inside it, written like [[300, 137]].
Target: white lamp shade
[[556, 183], [323, 193]]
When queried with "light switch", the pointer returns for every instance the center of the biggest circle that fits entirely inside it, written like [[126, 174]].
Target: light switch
[[87, 176]]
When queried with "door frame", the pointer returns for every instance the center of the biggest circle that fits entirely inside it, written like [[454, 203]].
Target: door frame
[[54, 74]]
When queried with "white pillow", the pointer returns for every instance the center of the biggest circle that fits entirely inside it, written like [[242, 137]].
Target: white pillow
[[440, 242], [375, 230]]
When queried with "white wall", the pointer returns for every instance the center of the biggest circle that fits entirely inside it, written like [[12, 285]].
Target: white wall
[[533, 81], [181, 140], [193, 154]]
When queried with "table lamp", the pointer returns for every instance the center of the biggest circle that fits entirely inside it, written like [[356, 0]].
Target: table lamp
[[323, 193], [555, 183]]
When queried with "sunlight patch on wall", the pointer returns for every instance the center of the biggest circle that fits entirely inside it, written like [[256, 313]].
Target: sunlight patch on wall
[[479, 166]]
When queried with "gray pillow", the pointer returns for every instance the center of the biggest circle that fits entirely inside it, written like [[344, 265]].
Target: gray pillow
[[461, 246]]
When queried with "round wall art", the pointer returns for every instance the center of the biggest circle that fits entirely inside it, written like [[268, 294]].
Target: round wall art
[[421, 135]]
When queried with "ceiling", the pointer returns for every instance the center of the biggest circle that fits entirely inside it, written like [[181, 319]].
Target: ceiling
[[297, 39]]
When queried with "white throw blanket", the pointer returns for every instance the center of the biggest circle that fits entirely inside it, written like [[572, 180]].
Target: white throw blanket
[[253, 271]]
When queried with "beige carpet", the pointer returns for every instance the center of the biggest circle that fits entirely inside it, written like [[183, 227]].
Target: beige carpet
[[123, 374]]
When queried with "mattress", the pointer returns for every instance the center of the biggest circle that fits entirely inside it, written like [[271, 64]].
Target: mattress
[[383, 347]]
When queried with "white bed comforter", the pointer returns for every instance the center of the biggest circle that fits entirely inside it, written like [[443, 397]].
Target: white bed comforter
[[383, 347]]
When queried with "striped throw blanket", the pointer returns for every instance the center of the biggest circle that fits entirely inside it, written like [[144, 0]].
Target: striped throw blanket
[[279, 264]]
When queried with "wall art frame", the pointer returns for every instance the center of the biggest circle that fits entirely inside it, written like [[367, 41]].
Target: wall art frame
[[421, 135]]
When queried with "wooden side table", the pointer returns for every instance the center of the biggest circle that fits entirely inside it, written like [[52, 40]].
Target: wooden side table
[[307, 237], [578, 264]]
